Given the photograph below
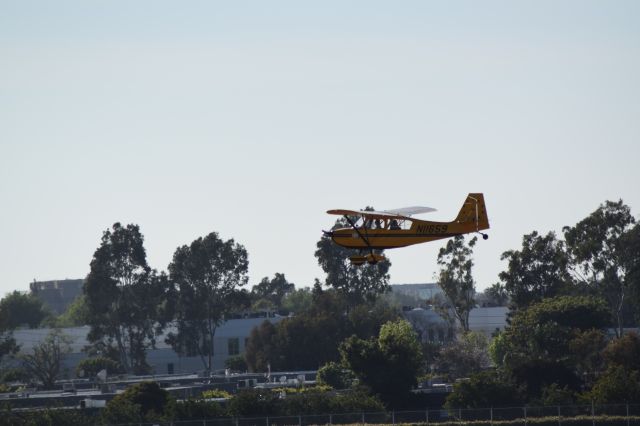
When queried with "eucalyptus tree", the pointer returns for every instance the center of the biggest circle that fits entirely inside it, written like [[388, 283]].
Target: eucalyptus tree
[[124, 297], [357, 284], [601, 249], [456, 279], [207, 276]]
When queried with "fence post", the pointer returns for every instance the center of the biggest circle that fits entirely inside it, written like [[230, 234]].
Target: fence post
[[525, 415], [460, 414], [627, 414], [363, 417], [593, 414], [559, 422], [393, 417], [236, 421], [330, 419], [204, 422], [299, 419], [267, 419], [427, 415]]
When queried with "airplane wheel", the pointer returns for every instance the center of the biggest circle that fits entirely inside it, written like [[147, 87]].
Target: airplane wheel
[[485, 237]]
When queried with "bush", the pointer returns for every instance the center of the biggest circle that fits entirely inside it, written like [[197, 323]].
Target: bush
[[144, 401], [216, 393], [193, 409], [92, 366], [335, 375], [486, 389], [236, 363]]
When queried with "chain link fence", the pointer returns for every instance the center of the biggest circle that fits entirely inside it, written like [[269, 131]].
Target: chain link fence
[[573, 415]]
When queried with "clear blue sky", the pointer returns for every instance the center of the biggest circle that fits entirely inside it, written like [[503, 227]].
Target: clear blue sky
[[252, 118]]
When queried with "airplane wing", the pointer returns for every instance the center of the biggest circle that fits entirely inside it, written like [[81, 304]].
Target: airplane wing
[[403, 213], [410, 211]]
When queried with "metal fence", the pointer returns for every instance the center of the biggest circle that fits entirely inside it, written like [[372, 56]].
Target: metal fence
[[573, 415]]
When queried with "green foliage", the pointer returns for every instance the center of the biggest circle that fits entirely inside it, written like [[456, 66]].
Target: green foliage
[[464, 356], [310, 339], [301, 389], [600, 250], [193, 409], [357, 284], [19, 309], [495, 295], [274, 290], [216, 393], [45, 362], [123, 297], [297, 300], [455, 279], [261, 349], [498, 349], [77, 314], [624, 352], [388, 365], [545, 330], [91, 366], [335, 375], [537, 271], [236, 363], [486, 389], [534, 375], [260, 402], [556, 395], [254, 402], [144, 401], [208, 275], [616, 385]]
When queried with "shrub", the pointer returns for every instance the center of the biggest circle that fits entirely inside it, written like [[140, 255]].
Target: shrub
[[216, 393], [335, 375], [92, 366], [140, 402], [236, 363]]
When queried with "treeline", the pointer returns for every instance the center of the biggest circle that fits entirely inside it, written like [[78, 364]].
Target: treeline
[[564, 295]]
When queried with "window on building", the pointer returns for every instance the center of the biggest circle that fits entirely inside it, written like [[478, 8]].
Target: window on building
[[233, 346]]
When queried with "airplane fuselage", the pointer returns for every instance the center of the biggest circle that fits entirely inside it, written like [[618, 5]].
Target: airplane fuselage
[[419, 232]]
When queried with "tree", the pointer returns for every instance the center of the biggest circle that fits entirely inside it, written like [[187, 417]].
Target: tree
[[298, 300], [616, 385], [311, 338], [456, 280], [537, 271], [208, 275], [45, 363], [123, 297], [90, 367], [600, 257], [495, 295], [236, 363], [467, 355], [485, 389], [77, 314], [357, 283], [388, 365], [335, 375], [19, 309], [545, 330], [624, 352], [144, 401], [274, 290], [261, 350]]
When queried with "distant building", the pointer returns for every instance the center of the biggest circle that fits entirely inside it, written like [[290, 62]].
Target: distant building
[[422, 292], [57, 295], [431, 327], [230, 340]]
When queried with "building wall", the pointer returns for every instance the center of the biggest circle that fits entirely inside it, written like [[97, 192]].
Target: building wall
[[57, 295], [162, 358]]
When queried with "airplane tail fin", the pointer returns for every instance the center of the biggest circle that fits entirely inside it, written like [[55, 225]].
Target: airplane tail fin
[[474, 210]]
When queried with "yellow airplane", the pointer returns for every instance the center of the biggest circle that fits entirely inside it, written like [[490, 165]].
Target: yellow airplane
[[379, 230]]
